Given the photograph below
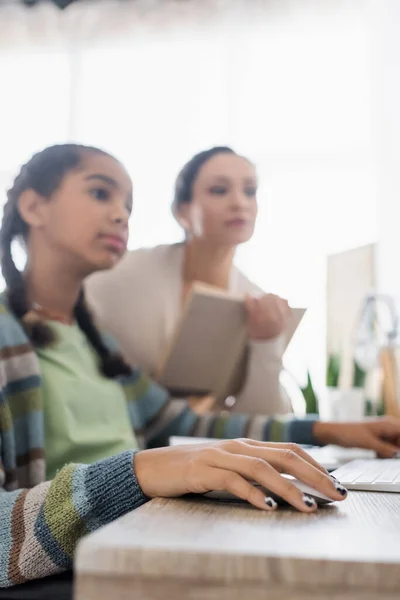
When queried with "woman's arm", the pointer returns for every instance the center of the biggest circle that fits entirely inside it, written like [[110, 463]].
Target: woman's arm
[[165, 417], [40, 527], [262, 392], [158, 416]]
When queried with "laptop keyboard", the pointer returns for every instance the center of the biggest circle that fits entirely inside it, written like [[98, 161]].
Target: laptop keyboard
[[375, 474]]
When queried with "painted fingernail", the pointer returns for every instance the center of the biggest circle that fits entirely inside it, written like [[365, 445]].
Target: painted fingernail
[[309, 501], [342, 490], [270, 502], [333, 477]]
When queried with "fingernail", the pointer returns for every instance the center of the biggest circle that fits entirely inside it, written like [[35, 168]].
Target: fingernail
[[270, 502], [333, 477], [308, 501], [342, 490]]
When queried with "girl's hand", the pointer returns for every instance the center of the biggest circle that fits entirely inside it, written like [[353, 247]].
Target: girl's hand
[[381, 435], [231, 465], [267, 316]]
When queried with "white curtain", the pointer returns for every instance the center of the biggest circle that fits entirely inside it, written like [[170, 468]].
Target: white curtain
[[284, 82]]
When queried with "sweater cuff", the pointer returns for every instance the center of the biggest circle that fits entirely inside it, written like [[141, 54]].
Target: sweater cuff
[[268, 350], [301, 431], [113, 488]]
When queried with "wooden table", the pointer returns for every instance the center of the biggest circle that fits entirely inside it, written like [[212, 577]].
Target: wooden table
[[205, 550]]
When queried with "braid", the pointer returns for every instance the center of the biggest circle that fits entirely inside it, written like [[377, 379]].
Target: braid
[[13, 227], [112, 365]]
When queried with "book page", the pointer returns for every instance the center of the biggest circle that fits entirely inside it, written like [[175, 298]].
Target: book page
[[294, 321], [208, 342], [207, 354]]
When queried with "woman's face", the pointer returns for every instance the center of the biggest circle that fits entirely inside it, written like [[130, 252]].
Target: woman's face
[[223, 209]]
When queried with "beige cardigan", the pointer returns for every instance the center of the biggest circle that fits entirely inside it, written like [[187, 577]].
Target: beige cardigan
[[139, 303]]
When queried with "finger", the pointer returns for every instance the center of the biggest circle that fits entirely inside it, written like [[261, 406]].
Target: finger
[[268, 310], [294, 447], [274, 300], [249, 303], [258, 470], [293, 460], [285, 309], [271, 303], [258, 306], [221, 479], [287, 461], [383, 449], [280, 308], [387, 427]]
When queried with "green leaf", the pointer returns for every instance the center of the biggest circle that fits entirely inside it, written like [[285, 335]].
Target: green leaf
[[370, 411], [359, 376], [381, 409], [333, 371], [310, 397]]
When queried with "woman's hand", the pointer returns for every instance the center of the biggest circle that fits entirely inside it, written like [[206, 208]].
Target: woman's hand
[[267, 316], [201, 404], [231, 465], [381, 435]]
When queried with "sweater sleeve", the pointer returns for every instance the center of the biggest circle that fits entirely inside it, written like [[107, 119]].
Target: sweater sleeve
[[262, 392], [159, 416], [40, 527]]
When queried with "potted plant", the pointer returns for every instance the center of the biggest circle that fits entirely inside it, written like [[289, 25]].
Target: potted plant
[[344, 404], [310, 398]]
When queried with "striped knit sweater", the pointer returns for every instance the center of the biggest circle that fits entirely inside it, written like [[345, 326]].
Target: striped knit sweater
[[42, 521]]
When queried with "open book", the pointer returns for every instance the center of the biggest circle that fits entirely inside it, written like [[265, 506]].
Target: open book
[[208, 352]]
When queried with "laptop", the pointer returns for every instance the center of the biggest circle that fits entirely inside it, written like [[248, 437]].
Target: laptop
[[372, 475]]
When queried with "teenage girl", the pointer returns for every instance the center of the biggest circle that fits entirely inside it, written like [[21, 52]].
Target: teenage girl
[[78, 427]]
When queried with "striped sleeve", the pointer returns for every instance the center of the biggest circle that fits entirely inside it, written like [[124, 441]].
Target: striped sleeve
[[158, 416], [40, 527]]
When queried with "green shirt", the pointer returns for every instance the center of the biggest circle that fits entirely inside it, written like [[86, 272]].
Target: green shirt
[[85, 414]]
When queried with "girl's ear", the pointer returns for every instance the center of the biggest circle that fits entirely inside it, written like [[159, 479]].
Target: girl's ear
[[30, 208]]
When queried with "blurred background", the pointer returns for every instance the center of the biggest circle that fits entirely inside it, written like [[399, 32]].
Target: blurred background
[[308, 90]]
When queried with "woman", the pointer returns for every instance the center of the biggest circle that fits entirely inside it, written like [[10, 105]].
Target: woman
[[140, 301], [73, 415]]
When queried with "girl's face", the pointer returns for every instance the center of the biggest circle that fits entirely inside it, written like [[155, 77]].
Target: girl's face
[[223, 209], [86, 219]]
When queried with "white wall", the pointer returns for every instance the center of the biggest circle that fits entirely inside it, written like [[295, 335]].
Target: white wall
[[290, 86], [385, 82]]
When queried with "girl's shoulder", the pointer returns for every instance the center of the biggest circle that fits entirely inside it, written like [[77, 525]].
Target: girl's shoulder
[[11, 330]]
